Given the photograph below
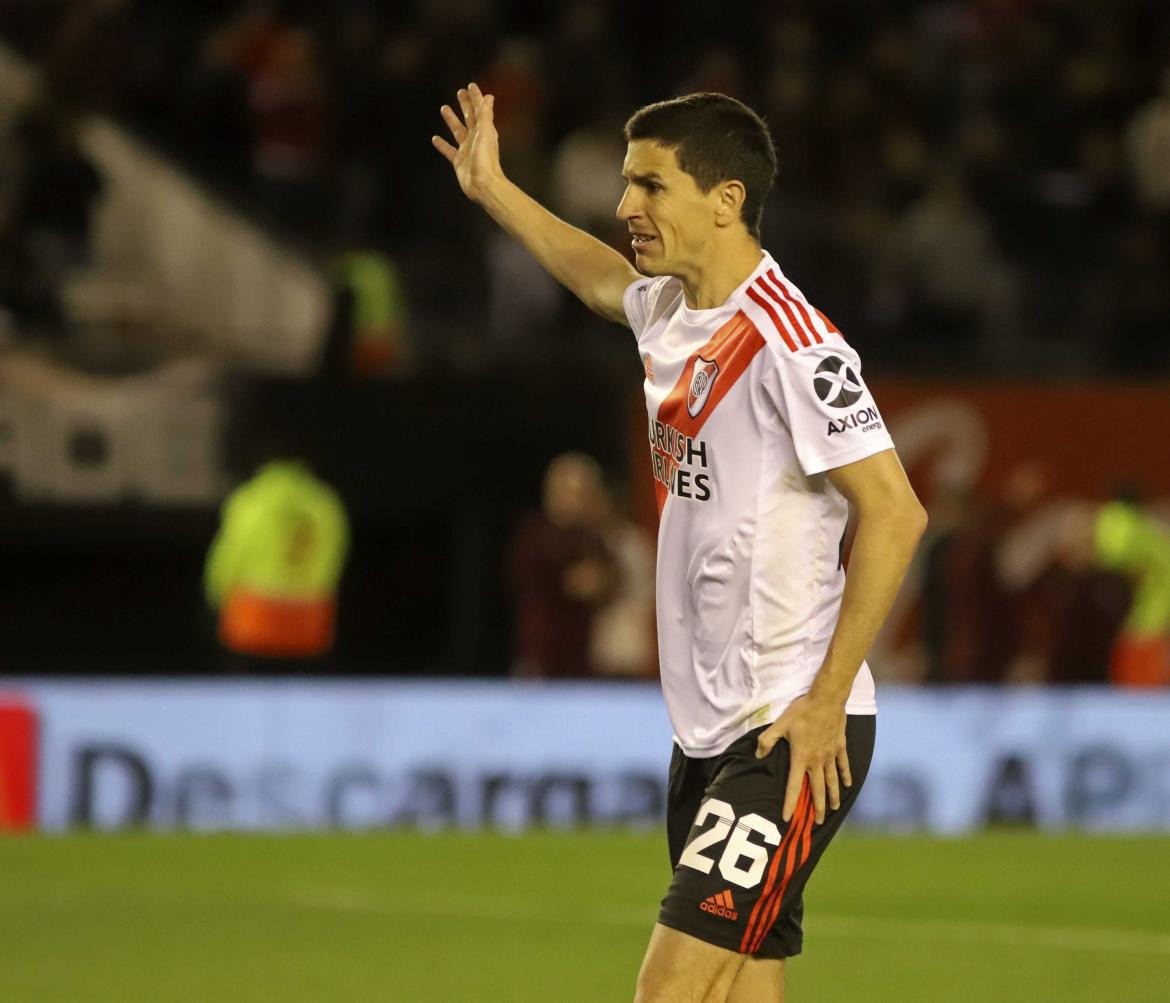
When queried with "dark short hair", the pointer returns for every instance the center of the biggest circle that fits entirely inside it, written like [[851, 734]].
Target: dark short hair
[[715, 138]]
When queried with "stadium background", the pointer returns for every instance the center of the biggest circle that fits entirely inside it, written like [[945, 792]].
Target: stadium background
[[977, 192]]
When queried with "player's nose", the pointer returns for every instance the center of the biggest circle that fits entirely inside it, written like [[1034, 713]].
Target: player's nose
[[627, 208]]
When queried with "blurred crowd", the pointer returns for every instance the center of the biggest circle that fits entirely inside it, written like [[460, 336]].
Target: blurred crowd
[[966, 186], [1020, 585], [964, 183], [46, 206], [1005, 599]]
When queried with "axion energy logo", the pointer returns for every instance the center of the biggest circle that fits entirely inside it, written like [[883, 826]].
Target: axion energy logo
[[18, 758], [836, 383]]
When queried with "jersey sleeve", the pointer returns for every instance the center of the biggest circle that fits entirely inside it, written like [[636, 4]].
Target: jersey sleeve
[[634, 302], [827, 407], [645, 300]]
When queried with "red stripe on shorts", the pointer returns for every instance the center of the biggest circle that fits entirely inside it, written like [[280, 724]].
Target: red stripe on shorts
[[799, 854], [773, 869]]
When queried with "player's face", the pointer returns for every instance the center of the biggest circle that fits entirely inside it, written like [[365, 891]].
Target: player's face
[[670, 218]]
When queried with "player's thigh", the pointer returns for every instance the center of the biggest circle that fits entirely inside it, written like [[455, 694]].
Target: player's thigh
[[737, 883], [760, 980], [728, 874], [679, 968], [784, 936]]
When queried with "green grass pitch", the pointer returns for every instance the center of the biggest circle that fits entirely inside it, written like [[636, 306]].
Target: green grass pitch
[[561, 917]]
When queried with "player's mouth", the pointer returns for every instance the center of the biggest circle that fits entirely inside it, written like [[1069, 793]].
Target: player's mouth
[[641, 241]]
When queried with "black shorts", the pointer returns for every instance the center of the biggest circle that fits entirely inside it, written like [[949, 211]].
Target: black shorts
[[739, 871]]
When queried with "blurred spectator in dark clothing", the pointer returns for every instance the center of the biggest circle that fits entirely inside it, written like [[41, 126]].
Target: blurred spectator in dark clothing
[[587, 75], [59, 186], [623, 642], [287, 101], [1065, 613], [88, 52], [1148, 143], [1136, 338], [1069, 620], [969, 611], [516, 79], [214, 105], [942, 281], [1004, 604], [261, 59], [524, 298], [965, 629], [47, 232], [717, 69], [560, 571]]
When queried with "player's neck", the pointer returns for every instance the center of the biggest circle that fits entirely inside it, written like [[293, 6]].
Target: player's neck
[[722, 273]]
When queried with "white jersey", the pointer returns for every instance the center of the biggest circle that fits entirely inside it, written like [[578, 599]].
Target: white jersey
[[749, 404]]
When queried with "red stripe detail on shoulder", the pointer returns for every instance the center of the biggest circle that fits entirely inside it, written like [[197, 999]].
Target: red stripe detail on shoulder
[[732, 348], [797, 326], [782, 286], [776, 322]]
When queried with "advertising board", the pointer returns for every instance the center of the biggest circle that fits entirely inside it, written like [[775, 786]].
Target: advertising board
[[297, 754]]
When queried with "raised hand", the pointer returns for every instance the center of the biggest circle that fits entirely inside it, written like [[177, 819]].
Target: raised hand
[[476, 153], [594, 272]]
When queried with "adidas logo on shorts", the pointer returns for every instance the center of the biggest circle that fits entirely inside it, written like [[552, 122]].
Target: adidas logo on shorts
[[720, 905]]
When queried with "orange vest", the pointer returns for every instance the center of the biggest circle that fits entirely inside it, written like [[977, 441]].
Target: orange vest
[[275, 628], [1140, 662]]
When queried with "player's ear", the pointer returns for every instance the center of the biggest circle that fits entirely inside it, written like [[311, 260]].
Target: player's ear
[[729, 204]]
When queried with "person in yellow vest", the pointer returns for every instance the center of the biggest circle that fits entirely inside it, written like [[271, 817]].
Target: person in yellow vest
[[377, 315], [1129, 540], [275, 564]]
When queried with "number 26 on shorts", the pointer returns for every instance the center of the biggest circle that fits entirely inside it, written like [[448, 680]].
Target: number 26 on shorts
[[739, 847]]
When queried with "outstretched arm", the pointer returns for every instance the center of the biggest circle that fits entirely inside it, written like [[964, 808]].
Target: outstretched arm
[[595, 273]]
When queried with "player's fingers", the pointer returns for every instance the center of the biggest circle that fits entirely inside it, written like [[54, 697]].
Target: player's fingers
[[445, 148], [767, 741], [476, 95], [832, 788], [843, 768], [453, 123], [792, 791], [487, 110], [466, 107], [816, 781]]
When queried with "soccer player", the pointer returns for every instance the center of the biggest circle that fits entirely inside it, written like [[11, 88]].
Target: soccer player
[[762, 437]]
